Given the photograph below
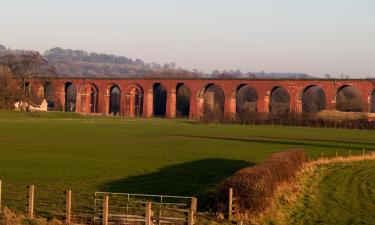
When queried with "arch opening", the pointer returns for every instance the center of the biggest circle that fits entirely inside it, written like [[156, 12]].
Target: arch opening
[[213, 99], [279, 101], [160, 100], [93, 99], [246, 101], [27, 87], [114, 100], [349, 99], [49, 95], [372, 101], [182, 100], [70, 97], [313, 100], [90, 98], [134, 99]]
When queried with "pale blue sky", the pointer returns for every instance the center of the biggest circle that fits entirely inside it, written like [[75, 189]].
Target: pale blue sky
[[313, 36]]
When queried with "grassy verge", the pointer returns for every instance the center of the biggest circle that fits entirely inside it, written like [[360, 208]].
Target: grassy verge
[[338, 191]]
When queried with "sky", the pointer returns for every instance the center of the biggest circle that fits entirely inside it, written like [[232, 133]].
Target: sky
[[311, 36]]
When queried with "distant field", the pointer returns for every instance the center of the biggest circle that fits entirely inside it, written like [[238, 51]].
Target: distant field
[[159, 156], [341, 193]]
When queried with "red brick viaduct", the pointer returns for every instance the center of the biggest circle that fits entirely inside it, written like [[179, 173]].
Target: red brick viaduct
[[136, 96]]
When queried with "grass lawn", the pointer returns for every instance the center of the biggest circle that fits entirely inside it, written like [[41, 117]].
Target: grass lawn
[[341, 193], [158, 156]]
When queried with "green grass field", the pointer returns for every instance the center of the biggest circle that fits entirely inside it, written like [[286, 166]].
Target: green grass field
[[342, 193], [158, 156]]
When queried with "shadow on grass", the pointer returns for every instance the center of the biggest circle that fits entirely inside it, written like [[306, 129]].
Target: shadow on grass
[[335, 141], [190, 122], [283, 141], [196, 178]]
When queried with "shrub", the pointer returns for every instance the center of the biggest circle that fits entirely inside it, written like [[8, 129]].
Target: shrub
[[323, 119], [7, 217], [254, 187]]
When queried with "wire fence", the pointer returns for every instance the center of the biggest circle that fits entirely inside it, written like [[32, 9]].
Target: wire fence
[[130, 208], [98, 208]]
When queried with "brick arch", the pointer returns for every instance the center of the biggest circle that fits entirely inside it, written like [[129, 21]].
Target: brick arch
[[160, 98], [89, 97], [182, 102], [311, 99], [49, 95], [279, 104], [134, 99], [113, 96], [71, 94], [108, 87], [211, 101], [245, 100], [349, 104]]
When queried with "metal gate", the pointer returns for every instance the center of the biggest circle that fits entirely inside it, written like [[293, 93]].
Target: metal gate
[[126, 208]]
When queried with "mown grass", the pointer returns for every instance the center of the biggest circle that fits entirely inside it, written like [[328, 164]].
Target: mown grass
[[340, 193], [57, 151]]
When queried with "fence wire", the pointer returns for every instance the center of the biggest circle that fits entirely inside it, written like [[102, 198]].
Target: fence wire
[[123, 208]]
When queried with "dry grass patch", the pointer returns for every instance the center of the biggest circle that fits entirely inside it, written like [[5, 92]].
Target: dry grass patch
[[287, 198]]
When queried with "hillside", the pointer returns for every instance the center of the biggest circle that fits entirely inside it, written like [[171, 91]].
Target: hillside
[[79, 63]]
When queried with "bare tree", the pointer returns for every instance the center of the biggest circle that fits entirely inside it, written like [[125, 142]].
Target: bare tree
[[8, 89], [20, 69]]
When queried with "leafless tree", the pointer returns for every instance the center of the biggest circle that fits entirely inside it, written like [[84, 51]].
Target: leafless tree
[[20, 68]]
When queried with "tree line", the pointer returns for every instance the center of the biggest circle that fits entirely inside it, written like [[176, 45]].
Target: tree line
[[79, 63]]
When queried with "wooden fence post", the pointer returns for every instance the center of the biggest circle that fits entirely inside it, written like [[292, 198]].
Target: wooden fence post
[[149, 214], [31, 201], [191, 217], [336, 153], [0, 195], [105, 209], [194, 203], [230, 203], [192, 211], [363, 152], [68, 206]]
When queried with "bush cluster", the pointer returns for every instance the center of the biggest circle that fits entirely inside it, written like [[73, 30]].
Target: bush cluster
[[254, 187], [304, 120]]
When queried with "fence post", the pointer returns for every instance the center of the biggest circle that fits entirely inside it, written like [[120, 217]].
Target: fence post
[[350, 152], [194, 202], [68, 206], [191, 217], [230, 203], [149, 214], [0, 195], [363, 152], [31, 201], [105, 209], [192, 211], [336, 153]]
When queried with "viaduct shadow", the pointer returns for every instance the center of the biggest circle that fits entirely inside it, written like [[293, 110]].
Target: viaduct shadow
[[196, 178]]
